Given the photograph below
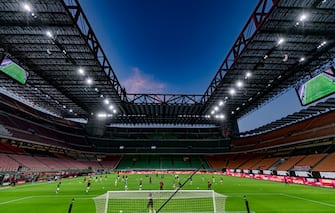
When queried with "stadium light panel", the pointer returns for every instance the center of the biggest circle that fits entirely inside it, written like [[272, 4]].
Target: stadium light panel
[[301, 59], [106, 101], [322, 44], [49, 34], [101, 96], [64, 107], [111, 107], [70, 110], [303, 17], [239, 84], [232, 112], [280, 41], [89, 81], [81, 71], [114, 111], [212, 112], [27, 7], [216, 108], [248, 75], [232, 92], [96, 89], [221, 103]]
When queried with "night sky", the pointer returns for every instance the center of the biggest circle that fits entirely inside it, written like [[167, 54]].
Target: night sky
[[175, 46]]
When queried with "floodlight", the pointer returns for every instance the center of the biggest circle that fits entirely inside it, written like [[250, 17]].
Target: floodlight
[[303, 17], [221, 103], [81, 71], [232, 91], [301, 59], [89, 81], [49, 34], [239, 84], [111, 107], [106, 101], [27, 7], [280, 41]]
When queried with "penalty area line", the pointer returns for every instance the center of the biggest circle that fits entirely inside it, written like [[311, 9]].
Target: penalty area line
[[15, 200], [309, 200]]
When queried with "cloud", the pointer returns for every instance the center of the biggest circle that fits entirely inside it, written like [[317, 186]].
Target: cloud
[[140, 82]]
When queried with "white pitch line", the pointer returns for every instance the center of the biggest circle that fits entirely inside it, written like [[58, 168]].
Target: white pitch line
[[309, 200], [12, 201], [81, 197]]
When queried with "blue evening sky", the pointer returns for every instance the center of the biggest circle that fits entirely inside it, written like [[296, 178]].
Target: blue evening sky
[[175, 46]]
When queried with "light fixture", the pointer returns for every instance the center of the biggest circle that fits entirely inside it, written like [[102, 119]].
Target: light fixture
[[106, 101], [96, 89], [27, 7], [232, 91], [239, 84], [49, 34], [70, 110], [212, 112], [216, 108], [301, 59], [265, 57], [101, 96], [102, 115], [64, 107], [81, 71], [121, 147], [322, 44], [303, 17], [221, 103], [248, 75], [111, 107], [153, 147], [280, 41], [114, 111], [89, 81], [232, 112]]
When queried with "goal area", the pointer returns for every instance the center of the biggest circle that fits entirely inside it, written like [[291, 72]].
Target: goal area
[[187, 201]]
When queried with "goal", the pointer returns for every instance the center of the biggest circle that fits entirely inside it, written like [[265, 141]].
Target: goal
[[187, 201]]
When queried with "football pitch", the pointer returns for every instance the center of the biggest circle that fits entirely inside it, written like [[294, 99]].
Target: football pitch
[[263, 196], [317, 88]]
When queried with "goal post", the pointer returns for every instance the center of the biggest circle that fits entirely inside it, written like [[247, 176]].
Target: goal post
[[187, 201]]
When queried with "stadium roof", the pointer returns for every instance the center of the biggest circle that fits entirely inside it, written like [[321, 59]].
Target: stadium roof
[[53, 40]]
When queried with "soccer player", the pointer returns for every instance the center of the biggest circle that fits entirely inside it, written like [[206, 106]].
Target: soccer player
[[58, 186], [209, 185], [141, 183], [161, 184], [150, 204], [150, 179], [88, 185]]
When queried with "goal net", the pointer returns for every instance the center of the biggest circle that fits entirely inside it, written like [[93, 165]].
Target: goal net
[[187, 201]]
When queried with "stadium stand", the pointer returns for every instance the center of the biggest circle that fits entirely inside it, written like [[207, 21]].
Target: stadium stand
[[327, 164]]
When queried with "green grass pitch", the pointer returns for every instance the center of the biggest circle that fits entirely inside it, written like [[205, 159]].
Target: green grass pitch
[[317, 88], [263, 196], [15, 72]]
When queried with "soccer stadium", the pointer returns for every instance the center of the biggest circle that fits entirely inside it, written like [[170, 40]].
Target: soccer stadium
[[87, 126]]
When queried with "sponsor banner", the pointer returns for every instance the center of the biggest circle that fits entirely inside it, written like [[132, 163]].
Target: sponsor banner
[[247, 171], [255, 171], [288, 179], [283, 173], [267, 172], [303, 174], [330, 175], [20, 182]]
